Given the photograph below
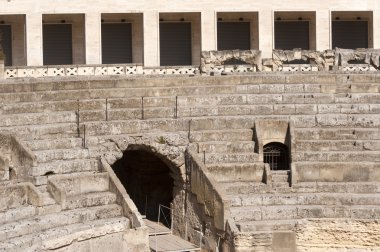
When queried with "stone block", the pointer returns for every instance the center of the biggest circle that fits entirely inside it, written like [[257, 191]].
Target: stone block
[[261, 110], [294, 88], [312, 88], [273, 79], [279, 212], [272, 88], [264, 99], [284, 109], [306, 109], [293, 98]]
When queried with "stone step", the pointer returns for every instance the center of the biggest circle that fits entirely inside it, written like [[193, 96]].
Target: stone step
[[237, 172], [251, 187], [283, 212], [39, 107], [226, 146], [280, 176], [169, 125], [256, 226], [90, 199], [337, 145], [68, 185], [342, 187], [37, 118], [139, 102], [44, 156], [41, 132], [337, 199], [42, 181], [59, 143], [338, 156], [94, 82], [281, 186], [55, 238], [55, 220], [340, 133], [65, 167], [105, 93], [216, 158], [17, 214], [267, 82], [139, 113], [244, 187], [222, 135], [186, 112], [53, 106], [338, 171]]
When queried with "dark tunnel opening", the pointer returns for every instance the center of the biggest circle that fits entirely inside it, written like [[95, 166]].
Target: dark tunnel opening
[[148, 182]]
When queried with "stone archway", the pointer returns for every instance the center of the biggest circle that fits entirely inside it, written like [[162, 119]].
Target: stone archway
[[147, 180], [151, 179]]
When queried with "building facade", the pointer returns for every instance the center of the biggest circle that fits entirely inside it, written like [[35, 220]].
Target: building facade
[[162, 33]]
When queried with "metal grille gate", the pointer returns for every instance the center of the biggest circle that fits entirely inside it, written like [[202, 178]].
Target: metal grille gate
[[276, 155]]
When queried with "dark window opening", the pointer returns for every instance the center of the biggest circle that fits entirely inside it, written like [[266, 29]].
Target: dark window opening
[[234, 36], [276, 155], [350, 34], [57, 44], [291, 34], [175, 44], [6, 43], [116, 43], [147, 180]]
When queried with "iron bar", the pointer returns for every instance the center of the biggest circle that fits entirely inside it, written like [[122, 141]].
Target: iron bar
[[176, 107], [78, 130], [106, 109], [84, 136], [142, 108], [188, 135]]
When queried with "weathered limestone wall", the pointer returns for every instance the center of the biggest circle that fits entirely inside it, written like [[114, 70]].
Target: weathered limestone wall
[[338, 235]]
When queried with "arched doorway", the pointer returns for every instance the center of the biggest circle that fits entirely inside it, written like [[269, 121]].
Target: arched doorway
[[277, 156], [148, 181]]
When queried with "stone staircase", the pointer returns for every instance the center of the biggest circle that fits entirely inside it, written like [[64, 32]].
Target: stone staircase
[[336, 130]]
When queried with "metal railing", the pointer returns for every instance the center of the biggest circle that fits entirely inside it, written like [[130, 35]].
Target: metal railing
[[165, 214]]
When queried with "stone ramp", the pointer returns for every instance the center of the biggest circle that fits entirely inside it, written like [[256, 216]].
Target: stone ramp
[[161, 239]]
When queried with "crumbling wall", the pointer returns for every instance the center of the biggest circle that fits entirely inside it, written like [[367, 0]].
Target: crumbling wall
[[15, 158], [213, 59], [308, 60], [364, 56]]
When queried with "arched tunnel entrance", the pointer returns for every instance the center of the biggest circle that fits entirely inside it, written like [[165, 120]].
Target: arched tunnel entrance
[[148, 181]]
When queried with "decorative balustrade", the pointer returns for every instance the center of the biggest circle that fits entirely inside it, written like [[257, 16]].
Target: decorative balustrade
[[95, 70]]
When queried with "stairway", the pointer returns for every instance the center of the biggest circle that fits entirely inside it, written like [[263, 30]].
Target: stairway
[[161, 239]]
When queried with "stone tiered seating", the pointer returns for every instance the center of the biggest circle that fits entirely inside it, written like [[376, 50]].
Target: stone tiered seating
[[336, 126]]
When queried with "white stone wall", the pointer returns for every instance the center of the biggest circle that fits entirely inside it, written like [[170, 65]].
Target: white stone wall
[[206, 11]]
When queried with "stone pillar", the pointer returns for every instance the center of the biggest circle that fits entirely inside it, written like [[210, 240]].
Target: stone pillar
[[208, 27], [266, 33], [376, 29], [323, 29], [34, 51], [93, 38], [151, 38]]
